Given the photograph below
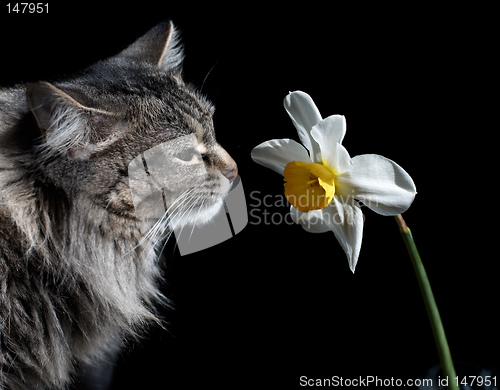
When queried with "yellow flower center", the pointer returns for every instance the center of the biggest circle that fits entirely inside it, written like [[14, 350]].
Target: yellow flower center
[[308, 186]]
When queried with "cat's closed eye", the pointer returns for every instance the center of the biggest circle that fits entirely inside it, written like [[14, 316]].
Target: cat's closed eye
[[190, 155]]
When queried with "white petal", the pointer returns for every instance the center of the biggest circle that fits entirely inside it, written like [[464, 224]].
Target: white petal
[[381, 184], [345, 219], [304, 115], [276, 153], [329, 134], [311, 221]]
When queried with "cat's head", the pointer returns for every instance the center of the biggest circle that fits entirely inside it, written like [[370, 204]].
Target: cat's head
[[132, 122]]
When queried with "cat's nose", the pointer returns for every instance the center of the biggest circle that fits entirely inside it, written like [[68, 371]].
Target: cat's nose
[[231, 173], [226, 165]]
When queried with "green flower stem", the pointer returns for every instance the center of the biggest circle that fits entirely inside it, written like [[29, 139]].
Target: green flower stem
[[430, 305]]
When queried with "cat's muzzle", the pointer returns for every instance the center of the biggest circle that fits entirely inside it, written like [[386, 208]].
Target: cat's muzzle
[[166, 184]]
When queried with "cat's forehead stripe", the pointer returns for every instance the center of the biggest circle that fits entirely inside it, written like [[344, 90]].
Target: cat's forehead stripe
[[199, 112]]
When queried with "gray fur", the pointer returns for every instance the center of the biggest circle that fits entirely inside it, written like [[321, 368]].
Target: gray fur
[[78, 269]]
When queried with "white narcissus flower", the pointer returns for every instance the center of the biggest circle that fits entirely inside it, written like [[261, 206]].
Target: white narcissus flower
[[324, 184]]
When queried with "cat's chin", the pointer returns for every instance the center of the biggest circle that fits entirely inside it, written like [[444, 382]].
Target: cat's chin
[[196, 217], [207, 212], [204, 214]]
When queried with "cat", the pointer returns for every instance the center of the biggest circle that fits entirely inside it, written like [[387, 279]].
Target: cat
[[79, 268]]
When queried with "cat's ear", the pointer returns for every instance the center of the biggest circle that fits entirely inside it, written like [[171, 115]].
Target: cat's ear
[[52, 107], [160, 47], [64, 123]]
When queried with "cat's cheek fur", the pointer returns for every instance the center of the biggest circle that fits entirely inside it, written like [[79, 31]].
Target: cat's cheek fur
[[225, 187]]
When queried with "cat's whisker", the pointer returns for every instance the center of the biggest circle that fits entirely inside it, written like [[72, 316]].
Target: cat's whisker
[[186, 203], [208, 74], [155, 234], [198, 212], [185, 215], [166, 238], [189, 212], [106, 208], [171, 210], [183, 198], [111, 200]]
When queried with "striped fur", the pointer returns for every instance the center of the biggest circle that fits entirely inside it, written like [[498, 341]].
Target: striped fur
[[78, 267]]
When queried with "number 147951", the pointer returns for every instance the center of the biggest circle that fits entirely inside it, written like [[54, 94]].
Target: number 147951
[[25, 8]]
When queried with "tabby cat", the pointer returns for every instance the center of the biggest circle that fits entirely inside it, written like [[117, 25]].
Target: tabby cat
[[78, 266]]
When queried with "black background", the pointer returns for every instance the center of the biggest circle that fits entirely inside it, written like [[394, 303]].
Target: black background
[[276, 303]]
